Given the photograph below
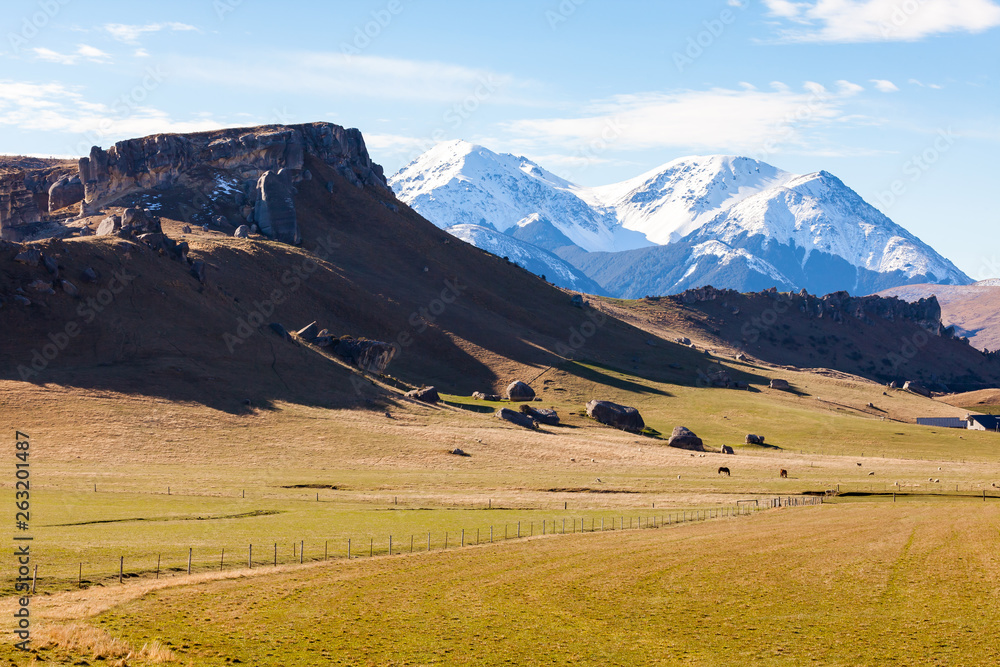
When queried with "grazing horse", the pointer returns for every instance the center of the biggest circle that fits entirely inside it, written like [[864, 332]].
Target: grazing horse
[[724, 470], [783, 473]]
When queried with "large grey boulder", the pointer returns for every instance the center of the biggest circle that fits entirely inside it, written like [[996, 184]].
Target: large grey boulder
[[684, 438], [67, 191], [519, 391], [779, 384], [372, 356], [515, 417], [109, 225], [242, 232], [541, 415], [753, 439], [425, 394], [624, 417], [916, 388], [274, 212]]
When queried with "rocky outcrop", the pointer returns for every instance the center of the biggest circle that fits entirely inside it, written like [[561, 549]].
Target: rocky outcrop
[[372, 356], [67, 191], [624, 417], [916, 388], [777, 383], [684, 438], [837, 306], [424, 394], [541, 415], [25, 186], [274, 212], [164, 160]]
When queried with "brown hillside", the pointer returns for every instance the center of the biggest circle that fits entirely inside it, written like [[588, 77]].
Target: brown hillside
[[384, 272], [770, 327], [973, 309]]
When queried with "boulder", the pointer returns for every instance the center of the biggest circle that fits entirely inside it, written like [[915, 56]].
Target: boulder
[[684, 438], [186, 229], [372, 356], [576, 300], [425, 394], [86, 231], [720, 378], [458, 451], [741, 357], [541, 415], [275, 209], [779, 384], [752, 439], [683, 340], [109, 225], [69, 288], [916, 388], [519, 391], [41, 286], [242, 232], [280, 330], [726, 449], [21, 300], [67, 191], [309, 332], [51, 265], [515, 417], [620, 416], [198, 270], [88, 275], [31, 257], [480, 396]]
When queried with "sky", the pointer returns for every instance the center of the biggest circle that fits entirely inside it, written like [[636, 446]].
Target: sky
[[898, 98]]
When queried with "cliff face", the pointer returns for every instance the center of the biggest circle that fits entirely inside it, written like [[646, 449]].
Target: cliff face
[[926, 312], [162, 160], [25, 187]]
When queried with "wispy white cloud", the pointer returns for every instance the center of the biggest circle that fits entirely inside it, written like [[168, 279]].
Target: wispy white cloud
[[880, 20], [917, 82], [55, 107], [130, 33], [745, 121], [83, 52], [885, 86], [359, 75]]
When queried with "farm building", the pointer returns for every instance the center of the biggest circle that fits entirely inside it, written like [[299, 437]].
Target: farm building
[[943, 422], [984, 422]]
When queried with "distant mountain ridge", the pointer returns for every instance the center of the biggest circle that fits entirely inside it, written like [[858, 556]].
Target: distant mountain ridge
[[732, 222]]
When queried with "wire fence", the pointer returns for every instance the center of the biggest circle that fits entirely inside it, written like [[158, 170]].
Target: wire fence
[[173, 561]]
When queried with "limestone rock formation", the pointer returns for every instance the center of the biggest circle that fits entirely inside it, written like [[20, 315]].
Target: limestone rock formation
[[624, 417], [520, 391], [274, 213], [541, 415], [515, 417], [684, 438]]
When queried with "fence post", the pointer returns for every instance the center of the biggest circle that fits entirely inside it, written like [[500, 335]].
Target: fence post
[[250, 558], [429, 541], [157, 566], [326, 549], [34, 579], [222, 560], [348, 548], [519, 529], [79, 581], [491, 534], [390, 545], [371, 548], [276, 553], [446, 539], [302, 548], [190, 549], [121, 568], [463, 537]]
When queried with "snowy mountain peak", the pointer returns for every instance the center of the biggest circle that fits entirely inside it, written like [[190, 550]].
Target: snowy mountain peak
[[743, 222]]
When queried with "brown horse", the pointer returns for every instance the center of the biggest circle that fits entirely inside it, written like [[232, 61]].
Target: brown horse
[[783, 473], [724, 471]]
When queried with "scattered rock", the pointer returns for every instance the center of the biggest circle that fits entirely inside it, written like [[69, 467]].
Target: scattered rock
[[741, 357], [620, 416], [684, 438], [541, 415], [198, 270], [916, 388], [67, 191], [31, 257], [480, 396], [280, 330], [22, 300], [726, 449], [69, 288], [88, 275], [684, 340], [242, 232], [186, 229], [109, 225], [372, 356], [515, 417], [51, 265], [752, 439], [576, 300], [425, 394], [309, 332], [86, 231], [519, 391], [41, 286], [779, 384], [458, 451]]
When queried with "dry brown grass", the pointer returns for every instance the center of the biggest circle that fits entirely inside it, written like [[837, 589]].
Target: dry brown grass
[[83, 639]]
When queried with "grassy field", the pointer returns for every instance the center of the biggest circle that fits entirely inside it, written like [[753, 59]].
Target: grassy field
[[116, 475], [848, 583]]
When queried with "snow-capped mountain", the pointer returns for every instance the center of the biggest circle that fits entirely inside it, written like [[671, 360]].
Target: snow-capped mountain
[[528, 256], [728, 221]]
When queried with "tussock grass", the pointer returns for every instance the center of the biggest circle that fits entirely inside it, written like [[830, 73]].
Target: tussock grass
[[83, 639]]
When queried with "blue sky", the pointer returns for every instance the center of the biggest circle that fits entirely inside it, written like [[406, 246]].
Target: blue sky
[[899, 98]]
